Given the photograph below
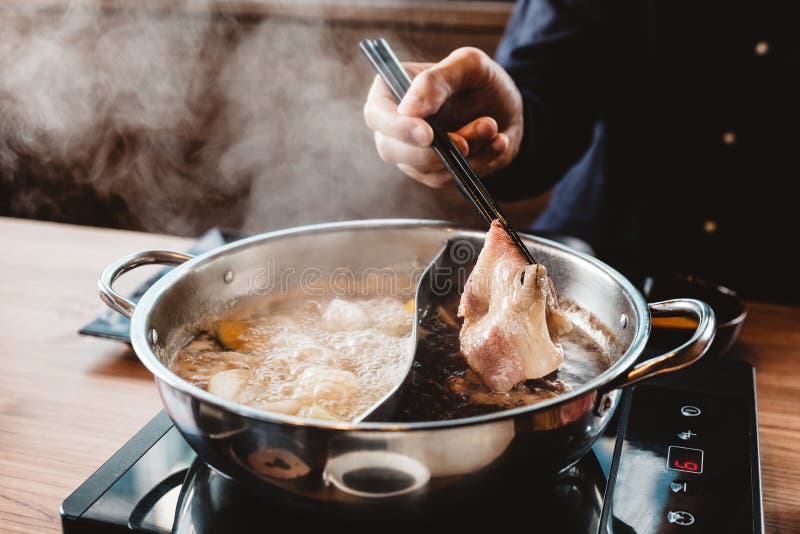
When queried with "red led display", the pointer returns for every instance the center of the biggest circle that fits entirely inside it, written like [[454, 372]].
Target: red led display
[[685, 459], [686, 466]]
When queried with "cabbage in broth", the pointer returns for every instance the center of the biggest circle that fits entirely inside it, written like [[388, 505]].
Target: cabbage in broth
[[323, 358]]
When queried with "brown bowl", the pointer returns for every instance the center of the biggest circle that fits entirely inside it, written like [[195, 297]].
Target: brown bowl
[[729, 307]]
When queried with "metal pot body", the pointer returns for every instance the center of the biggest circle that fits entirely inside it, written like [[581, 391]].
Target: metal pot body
[[384, 464]]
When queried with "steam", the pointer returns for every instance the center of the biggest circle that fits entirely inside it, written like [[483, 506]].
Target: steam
[[176, 119]]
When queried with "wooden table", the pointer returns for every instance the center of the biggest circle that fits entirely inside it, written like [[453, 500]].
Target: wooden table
[[68, 402]]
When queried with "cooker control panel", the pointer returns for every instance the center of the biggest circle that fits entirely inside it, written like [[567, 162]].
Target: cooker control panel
[[687, 454]]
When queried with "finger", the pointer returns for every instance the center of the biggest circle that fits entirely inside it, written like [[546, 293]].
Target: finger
[[392, 150], [424, 159], [415, 67], [380, 114], [478, 133], [464, 69], [461, 144], [493, 157]]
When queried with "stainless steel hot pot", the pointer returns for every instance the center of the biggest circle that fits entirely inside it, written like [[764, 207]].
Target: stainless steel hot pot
[[384, 462]]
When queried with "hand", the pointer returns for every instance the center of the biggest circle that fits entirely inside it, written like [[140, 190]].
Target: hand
[[480, 106]]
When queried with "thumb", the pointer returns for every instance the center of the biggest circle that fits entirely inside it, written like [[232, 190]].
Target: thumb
[[463, 69]]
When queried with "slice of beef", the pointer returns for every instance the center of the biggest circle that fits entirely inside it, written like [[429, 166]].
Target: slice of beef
[[511, 321]]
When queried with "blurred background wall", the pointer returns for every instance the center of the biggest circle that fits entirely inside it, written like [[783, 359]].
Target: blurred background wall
[[173, 116]]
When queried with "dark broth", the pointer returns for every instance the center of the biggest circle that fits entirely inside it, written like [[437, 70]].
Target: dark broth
[[441, 386]]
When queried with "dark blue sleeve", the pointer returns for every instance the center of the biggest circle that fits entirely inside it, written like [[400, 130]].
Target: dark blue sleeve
[[557, 53]]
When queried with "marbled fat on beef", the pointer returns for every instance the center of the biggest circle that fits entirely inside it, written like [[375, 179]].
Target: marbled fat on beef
[[511, 322]]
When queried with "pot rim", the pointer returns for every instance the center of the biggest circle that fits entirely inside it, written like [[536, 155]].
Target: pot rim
[[142, 348]]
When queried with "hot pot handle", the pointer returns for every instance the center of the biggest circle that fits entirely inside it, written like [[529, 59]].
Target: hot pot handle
[[114, 300], [678, 358]]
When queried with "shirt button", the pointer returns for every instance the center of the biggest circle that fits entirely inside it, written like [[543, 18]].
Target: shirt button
[[762, 48], [728, 138], [710, 226]]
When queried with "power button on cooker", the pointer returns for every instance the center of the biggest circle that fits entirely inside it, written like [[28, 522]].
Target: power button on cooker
[[690, 411], [681, 518]]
